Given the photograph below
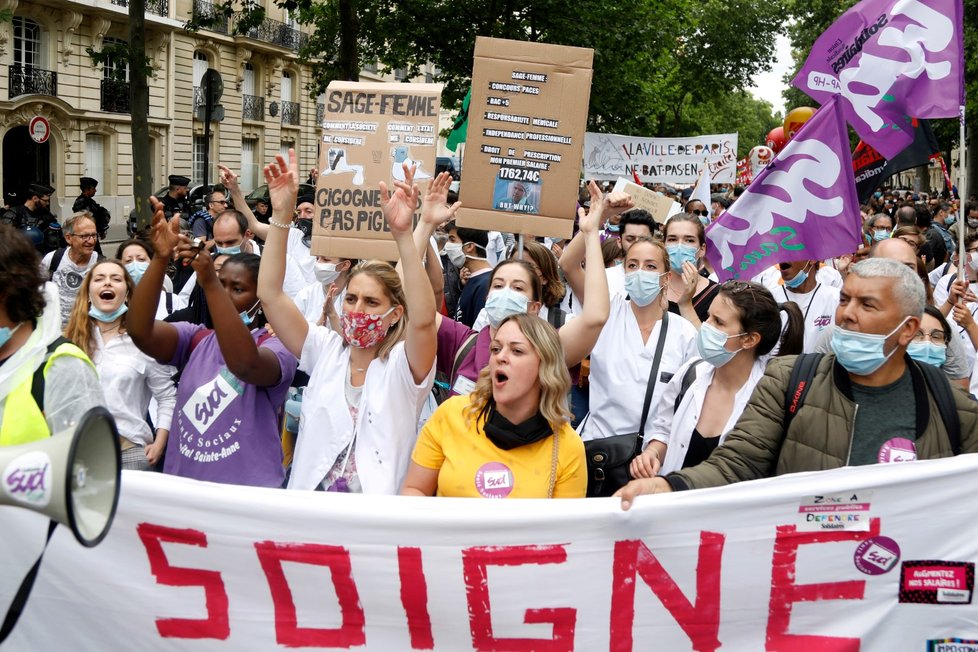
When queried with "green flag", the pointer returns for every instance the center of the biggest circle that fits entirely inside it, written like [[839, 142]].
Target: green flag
[[457, 134]]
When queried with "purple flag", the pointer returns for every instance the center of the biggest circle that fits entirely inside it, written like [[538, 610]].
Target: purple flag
[[801, 206], [890, 60]]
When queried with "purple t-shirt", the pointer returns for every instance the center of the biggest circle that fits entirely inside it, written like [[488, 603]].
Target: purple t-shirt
[[451, 337], [225, 430]]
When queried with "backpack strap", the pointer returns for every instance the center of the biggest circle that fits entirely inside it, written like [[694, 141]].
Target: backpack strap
[[461, 355], [556, 317], [686, 382], [37, 384], [798, 384], [169, 302], [56, 260], [940, 388]]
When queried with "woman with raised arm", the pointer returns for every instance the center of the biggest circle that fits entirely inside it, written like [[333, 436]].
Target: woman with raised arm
[[129, 377], [515, 288], [367, 384], [233, 379]]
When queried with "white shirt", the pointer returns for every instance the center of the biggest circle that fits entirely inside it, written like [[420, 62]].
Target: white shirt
[[300, 264], [817, 307], [942, 288], [385, 433], [676, 428], [311, 298], [616, 279], [496, 249], [620, 368], [938, 273], [129, 379]]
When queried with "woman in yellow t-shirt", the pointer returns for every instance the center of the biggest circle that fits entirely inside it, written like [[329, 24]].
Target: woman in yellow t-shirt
[[511, 437]]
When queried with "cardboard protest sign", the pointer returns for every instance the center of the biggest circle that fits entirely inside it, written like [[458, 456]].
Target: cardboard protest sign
[[369, 130], [660, 160], [527, 118], [658, 205]]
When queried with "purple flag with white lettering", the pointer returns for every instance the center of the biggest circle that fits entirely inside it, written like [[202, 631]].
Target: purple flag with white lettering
[[801, 206], [890, 60]]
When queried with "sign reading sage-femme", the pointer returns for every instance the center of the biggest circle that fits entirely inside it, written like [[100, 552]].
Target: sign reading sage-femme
[[527, 116], [369, 131]]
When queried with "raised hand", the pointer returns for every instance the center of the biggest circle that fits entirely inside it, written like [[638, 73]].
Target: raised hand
[[400, 205], [435, 209], [165, 236], [282, 178], [228, 178]]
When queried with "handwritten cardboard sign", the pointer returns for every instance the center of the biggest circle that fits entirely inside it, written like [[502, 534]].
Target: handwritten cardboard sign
[[658, 205], [369, 130], [527, 118]]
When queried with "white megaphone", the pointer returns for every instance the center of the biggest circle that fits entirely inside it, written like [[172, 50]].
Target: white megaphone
[[74, 479]]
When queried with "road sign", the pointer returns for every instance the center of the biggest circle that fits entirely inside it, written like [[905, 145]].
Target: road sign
[[39, 129]]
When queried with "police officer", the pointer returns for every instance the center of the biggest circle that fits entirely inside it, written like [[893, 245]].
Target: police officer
[[175, 200], [86, 202], [35, 219]]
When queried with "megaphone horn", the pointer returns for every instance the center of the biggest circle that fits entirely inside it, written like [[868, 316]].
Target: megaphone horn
[[72, 479]]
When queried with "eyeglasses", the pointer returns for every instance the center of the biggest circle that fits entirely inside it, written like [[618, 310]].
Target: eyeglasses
[[936, 336], [219, 201], [86, 237]]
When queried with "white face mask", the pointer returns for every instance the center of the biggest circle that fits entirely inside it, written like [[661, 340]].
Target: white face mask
[[454, 252], [326, 272]]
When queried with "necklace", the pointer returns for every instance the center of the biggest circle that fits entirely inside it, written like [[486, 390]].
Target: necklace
[[103, 331]]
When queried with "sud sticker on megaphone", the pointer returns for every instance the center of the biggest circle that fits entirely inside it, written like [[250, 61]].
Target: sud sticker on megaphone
[[27, 479]]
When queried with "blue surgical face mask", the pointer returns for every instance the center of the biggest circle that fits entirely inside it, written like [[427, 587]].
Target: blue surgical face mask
[[928, 353], [246, 315], [504, 302], [950, 219], [679, 254], [881, 234], [642, 286], [612, 228], [861, 353], [136, 270], [705, 220], [107, 317], [6, 333], [711, 343], [797, 281], [228, 251]]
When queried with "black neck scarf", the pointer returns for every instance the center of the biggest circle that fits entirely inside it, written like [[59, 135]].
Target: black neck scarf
[[507, 435]]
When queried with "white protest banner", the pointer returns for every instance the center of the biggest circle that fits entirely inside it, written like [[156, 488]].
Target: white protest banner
[[660, 160], [369, 131], [868, 558]]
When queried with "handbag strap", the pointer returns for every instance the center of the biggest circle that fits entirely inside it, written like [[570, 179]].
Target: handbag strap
[[660, 345], [553, 467]]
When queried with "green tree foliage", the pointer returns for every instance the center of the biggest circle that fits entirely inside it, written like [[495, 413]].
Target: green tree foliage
[[737, 111]]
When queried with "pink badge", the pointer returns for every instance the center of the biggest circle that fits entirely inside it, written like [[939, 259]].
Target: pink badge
[[898, 449], [494, 480]]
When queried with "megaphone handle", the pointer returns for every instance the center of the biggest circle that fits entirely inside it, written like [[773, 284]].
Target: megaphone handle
[[24, 591]]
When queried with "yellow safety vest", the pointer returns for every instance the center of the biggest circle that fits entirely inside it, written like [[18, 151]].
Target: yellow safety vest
[[23, 420]]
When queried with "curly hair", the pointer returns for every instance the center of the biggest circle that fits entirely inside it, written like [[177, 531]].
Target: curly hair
[[554, 379], [21, 280], [79, 328]]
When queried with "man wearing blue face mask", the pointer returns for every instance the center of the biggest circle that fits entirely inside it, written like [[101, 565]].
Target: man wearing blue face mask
[[816, 300], [868, 402]]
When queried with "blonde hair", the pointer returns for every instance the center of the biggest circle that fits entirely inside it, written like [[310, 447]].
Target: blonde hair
[[385, 274], [79, 327], [554, 379]]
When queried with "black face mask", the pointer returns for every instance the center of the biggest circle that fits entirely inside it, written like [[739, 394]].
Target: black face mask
[[507, 436]]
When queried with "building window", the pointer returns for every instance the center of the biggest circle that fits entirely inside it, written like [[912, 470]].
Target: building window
[[252, 104], [286, 91], [200, 147], [200, 67], [95, 157], [27, 43], [290, 109], [249, 169]]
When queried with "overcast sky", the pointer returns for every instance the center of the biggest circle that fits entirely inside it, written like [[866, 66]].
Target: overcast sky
[[768, 85]]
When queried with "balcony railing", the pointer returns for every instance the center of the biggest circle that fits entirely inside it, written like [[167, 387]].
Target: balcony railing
[[320, 114], [198, 97], [252, 107], [158, 7], [275, 32], [207, 12], [31, 81], [115, 96], [290, 113]]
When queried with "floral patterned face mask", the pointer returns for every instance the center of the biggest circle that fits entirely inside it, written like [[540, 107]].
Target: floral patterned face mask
[[362, 329]]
